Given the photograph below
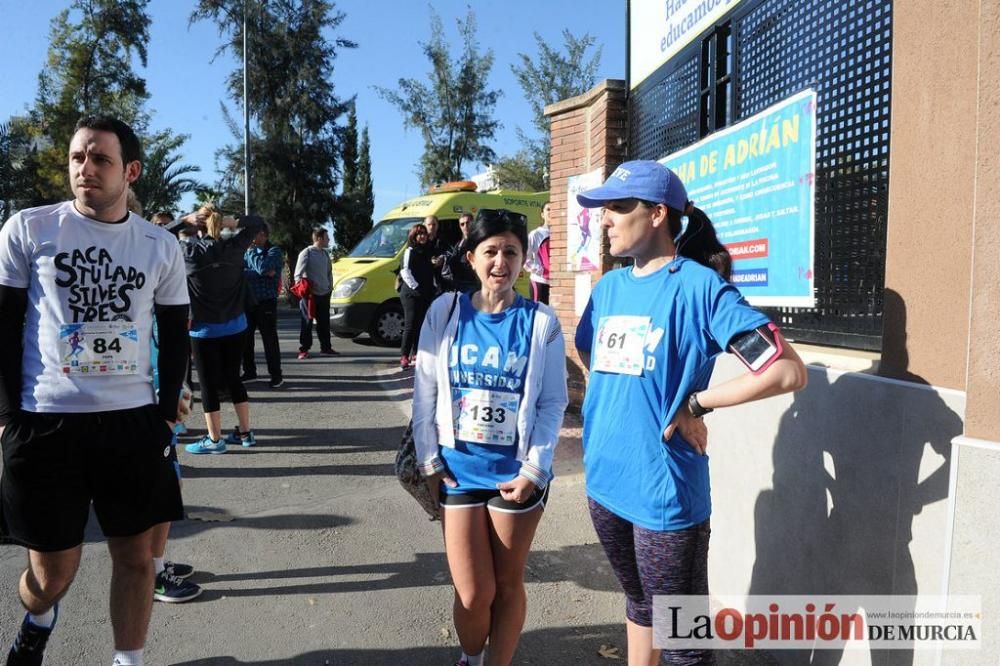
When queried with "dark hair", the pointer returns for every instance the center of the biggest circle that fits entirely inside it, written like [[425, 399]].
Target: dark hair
[[416, 229], [319, 233], [489, 223], [131, 148], [699, 241]]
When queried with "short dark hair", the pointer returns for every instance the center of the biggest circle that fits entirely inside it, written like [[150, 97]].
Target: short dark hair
[[490, 222], [131, 148], [319, 233]]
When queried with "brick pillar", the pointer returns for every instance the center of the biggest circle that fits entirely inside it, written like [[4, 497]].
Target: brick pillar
[[588, 133]]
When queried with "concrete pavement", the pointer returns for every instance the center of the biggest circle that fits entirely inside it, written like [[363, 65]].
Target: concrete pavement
[[311, 553]]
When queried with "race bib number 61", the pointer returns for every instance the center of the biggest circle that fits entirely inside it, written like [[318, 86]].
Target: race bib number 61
[[619, 345]]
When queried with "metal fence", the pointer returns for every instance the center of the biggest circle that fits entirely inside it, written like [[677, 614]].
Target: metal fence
[[766, 51]]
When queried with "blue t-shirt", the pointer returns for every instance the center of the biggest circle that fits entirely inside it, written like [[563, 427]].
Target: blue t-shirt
[[692, 316], [490, 353], [201, 329]]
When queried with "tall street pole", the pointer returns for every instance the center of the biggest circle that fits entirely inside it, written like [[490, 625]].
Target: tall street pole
[[246, 118]]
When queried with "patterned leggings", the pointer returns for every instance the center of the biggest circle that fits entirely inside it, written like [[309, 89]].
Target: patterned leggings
[[649, 563]]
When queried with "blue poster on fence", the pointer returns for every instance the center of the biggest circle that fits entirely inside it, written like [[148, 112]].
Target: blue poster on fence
[[756, 182]]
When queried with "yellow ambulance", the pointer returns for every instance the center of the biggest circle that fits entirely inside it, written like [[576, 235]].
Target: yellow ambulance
[[364, 298]]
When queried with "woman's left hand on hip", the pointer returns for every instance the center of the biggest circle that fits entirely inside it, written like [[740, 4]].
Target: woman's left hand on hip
[[519, 489]]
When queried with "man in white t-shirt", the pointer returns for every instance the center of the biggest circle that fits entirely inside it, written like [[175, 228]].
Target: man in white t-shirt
[[79, 284]]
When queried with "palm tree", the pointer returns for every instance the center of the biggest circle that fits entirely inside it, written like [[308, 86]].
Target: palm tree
[[164, 181]]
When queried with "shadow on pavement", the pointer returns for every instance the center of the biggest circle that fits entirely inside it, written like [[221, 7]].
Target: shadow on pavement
[[563, 645], [560, 645], [577, 563], [283, 471], [326, 440]]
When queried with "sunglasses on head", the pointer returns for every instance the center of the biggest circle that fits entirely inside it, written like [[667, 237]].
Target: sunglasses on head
[[491, 215]]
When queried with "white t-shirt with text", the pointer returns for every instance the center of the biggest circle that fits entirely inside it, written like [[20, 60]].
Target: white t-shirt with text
[[91, 288]]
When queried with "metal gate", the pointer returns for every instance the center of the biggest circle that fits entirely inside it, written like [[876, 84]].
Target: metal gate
[[766, 51]]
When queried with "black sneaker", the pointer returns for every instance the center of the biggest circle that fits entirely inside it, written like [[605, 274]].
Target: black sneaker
[[29, 646], [276, 383], [245, 378], [174, 590], [178, 570]]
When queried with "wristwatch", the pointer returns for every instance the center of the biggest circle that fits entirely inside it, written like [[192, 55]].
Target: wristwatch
[[695, 407]]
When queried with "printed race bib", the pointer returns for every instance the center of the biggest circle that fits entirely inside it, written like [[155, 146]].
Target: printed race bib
[[619, 347], [485, 417], [101, 348]]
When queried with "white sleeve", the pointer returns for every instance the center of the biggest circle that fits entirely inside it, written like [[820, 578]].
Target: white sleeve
[[425, 387], [552, 399], [15, 268], [405, 272], [531, 263], [172, 289]]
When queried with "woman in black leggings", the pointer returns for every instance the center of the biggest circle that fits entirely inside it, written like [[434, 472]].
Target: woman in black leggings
[[218, 321], [416, 291]]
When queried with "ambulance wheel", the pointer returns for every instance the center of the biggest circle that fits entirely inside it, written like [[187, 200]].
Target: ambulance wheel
[[387, 328]]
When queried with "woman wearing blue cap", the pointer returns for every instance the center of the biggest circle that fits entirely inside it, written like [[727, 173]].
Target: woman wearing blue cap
[[649, 336]]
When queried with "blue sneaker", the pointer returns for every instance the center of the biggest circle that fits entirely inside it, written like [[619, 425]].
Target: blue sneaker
[[206, 445], [233, 437], [180, 428], [247, 439], [29, 645]]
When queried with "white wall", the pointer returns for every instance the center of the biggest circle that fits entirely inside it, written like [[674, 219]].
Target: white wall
[[839, 489]]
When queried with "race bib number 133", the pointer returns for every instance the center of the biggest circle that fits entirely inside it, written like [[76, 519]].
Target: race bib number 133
[[485, 417]]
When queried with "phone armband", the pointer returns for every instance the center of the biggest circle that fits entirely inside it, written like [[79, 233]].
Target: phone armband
[[759, 348]]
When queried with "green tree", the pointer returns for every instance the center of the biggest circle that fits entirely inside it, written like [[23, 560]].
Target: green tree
[[454, 109], [87, 71], [18, 169], [164, 181], [349, 154], [296, 141], [366, 185], [354, 209], [553, 75]]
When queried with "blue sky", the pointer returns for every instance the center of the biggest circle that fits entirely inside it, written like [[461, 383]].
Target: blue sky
[[186, 85]]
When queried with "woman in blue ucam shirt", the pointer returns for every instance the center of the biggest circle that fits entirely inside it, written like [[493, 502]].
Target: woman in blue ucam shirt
[[488, 402], [649, 335]]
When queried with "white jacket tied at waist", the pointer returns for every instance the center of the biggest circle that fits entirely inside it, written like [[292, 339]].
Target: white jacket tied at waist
[[542, 406]]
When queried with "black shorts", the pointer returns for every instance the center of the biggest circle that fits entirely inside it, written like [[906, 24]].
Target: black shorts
[[55, 465], [493, 501]]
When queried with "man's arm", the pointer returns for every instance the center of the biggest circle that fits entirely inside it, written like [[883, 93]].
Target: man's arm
[[273, 261], [172, 324], [301, 264], [13, 306]]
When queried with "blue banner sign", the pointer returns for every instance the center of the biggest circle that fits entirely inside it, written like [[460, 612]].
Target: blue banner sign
[[756, 182]]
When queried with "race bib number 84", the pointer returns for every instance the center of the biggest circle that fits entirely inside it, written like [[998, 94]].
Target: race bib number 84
[[619, 345], [99, 348]]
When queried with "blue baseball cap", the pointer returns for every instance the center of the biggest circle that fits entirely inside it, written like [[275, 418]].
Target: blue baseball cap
[[639, 179]]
